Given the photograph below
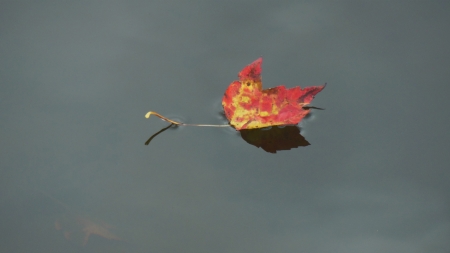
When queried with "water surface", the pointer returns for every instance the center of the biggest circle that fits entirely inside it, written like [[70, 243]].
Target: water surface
[[78, 78]]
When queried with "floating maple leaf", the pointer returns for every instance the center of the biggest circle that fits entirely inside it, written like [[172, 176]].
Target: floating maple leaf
[[248, 106]]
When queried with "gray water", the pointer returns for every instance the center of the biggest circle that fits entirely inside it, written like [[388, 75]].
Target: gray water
[[77, 79]]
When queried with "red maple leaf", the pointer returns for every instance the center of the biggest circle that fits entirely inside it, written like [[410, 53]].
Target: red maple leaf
[[248, 106]]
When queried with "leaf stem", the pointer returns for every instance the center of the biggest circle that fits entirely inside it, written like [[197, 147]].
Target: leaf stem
[[180, 123]]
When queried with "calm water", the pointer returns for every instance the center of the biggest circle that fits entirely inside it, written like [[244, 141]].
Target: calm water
[[77, 80]]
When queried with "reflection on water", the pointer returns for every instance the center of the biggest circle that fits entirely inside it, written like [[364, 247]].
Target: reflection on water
[[275, 138], [271, 139], [160, 131]]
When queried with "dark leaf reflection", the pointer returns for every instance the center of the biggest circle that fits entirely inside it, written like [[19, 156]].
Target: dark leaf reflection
[[160, 131], [270, 139], [275, 138]]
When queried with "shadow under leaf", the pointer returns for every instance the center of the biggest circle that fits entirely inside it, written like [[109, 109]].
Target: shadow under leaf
[[276, 138]]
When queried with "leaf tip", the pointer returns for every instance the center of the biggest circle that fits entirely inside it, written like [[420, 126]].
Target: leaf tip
[[148, 114]]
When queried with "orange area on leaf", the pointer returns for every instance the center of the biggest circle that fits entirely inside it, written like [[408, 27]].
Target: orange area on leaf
[[248, 106]]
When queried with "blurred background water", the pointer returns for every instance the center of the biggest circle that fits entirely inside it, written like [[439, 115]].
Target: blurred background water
[[78, 77]]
